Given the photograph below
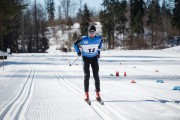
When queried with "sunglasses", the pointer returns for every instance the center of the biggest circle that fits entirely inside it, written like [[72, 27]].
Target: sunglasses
[[91, 32]]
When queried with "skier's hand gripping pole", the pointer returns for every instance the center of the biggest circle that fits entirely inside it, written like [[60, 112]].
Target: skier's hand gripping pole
[[74, 61]]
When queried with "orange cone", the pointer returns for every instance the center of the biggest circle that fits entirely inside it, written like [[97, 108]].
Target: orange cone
[[117, 73], [133, 81], [124, 73]]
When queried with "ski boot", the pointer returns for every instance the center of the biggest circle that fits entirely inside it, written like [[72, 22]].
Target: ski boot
[[98, 98], [86, 98]]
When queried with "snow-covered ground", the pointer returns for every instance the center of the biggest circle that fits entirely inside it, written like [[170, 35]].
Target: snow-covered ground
[[45, 87]]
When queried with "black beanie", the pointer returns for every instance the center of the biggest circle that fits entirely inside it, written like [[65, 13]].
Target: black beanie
[[91, 27]]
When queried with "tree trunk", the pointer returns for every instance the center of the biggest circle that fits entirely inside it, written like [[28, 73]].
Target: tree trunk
[[1, 41], [152, 42], [142, 39], [112, 40]]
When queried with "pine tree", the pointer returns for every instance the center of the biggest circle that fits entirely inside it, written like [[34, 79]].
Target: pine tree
[[137, 13], [121, 18], [108, 18], [106, 22], [176, 15], [50, 9], [154, 20], [44, 44], [85, 21], [9, 10], [113, 20], [166, 16], [79, 15]]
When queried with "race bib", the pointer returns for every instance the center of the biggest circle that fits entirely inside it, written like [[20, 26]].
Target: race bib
[[90, 48]]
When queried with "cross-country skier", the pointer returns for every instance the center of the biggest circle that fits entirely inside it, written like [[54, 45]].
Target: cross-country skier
[[90, 50]]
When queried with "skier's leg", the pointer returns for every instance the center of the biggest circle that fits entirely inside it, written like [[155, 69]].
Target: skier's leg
[[95, 68], [86, 74]]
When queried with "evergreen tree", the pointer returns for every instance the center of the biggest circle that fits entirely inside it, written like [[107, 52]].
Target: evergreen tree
[[113, 20], [79, 15], [50, 9], [108, 18], [137, 13], [166, 16], [85, 21], [44, 42], [176, 15], [106, 26], [9, 10], [121, 18], [154, 20]]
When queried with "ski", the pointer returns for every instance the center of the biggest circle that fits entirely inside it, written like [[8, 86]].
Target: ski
[[88, 102], [100, 101]]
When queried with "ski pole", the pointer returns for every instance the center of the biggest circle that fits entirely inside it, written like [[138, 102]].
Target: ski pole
[[74, 61]]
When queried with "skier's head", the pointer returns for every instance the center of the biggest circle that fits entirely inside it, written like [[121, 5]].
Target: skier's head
[[91, 31], [91, 28]]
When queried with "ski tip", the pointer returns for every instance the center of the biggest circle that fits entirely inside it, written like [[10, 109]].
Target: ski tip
[[88, 102], [101, 102]]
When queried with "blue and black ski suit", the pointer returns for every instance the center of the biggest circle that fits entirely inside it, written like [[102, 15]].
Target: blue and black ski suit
[[90, 49]]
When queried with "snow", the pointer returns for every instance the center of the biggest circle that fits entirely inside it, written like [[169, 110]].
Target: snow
[[43, 86], [76, 26], [98, 27]]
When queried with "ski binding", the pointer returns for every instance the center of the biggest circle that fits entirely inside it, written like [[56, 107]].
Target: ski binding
[[101, 102], [88, 102]]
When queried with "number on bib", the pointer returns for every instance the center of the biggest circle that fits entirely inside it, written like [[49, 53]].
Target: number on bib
[[91, 50]]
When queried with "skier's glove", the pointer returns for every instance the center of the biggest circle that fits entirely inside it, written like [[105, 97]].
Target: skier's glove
[[79, 53], [98, 55]]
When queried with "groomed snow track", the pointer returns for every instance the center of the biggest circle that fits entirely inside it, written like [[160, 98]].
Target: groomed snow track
[[105, 112], [15, 109]]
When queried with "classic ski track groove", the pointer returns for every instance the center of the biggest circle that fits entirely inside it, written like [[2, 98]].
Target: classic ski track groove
[[14, 108], [105, 114]]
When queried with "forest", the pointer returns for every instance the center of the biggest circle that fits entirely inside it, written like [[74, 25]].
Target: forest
[[131, 24]]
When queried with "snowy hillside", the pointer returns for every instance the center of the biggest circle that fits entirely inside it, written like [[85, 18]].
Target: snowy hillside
[[45, 87], [62, 36], [173, 49]]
